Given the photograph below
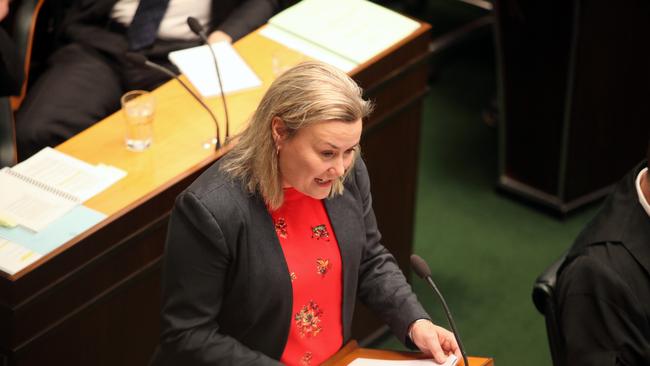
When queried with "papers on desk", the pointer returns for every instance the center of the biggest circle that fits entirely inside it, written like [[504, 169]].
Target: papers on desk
[[307, 48], [69, 174], [197, 64], [29, 203], [20, 247], [44, 187], [344, 33], [14, 257], [451, 361]]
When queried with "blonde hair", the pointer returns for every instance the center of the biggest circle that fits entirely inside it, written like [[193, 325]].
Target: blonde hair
[[305, 94]]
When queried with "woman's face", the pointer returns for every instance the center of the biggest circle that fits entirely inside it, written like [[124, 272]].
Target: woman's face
[[316, 155]]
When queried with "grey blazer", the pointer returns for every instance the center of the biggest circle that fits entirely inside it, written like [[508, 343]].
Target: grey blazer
[[227, 295]]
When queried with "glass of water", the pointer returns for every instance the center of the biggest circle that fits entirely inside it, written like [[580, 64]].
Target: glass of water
[[138, 107]]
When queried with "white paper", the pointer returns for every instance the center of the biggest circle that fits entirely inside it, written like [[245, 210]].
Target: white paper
[[307, 48], [451, 361], [353, 29], [197, 64], [14, 257], [29, 205], [69, 174]]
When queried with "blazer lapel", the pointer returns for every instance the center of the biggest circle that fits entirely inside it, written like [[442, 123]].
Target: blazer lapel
[[269, 266], [345, 217]]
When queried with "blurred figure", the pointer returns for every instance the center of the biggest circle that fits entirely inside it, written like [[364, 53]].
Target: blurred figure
[[86, 77], [603, 288], [11, 69], [269, 249]]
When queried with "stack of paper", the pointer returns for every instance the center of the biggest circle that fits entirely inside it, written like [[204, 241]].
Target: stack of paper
[[29, 203], [20, 247], [344, 33], [14, 257], [40, 204], [69, 174], [451, 361]]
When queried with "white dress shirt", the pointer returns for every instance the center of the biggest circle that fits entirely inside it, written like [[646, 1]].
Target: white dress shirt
[[642, 200], [174, 23]]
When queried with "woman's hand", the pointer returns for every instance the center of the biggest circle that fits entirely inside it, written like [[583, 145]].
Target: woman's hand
[[218, 36], [434, 341]]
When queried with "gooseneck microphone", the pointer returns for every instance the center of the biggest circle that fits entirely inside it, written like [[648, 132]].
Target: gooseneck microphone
[[423, 271], [197, 29], [140, 60]]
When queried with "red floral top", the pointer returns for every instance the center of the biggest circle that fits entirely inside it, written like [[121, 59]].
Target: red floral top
[[314, 260]]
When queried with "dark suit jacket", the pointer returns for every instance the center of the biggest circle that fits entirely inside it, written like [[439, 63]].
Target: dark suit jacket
[[11, 68], [88, 22], [227, 293], [604, 286]]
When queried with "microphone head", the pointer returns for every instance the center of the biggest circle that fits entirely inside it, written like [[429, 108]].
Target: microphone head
[[195, 26], [136, 58], [420, 267]]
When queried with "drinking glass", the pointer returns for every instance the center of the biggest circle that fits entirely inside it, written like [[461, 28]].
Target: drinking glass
[[138, 107]]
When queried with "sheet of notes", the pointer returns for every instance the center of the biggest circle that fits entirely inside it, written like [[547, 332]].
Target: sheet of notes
[[14, 257], [451, 361], [197, 64]]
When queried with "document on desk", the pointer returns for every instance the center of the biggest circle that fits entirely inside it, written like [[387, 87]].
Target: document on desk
[[14, 257], [69, 174], [197, 64], [20, 247], [30, 203], [44, 187], [353, 30], [451, 361]]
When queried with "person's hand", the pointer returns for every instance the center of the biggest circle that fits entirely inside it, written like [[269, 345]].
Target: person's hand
[[4, 9], [434, 341], [218, 36]]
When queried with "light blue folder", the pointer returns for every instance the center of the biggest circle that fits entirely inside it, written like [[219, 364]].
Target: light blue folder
[[73, 223]]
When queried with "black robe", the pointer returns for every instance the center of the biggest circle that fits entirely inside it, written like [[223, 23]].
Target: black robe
[[603, 290]]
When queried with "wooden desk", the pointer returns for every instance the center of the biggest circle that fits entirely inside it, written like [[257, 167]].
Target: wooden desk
[[351, 352], [96, 299]]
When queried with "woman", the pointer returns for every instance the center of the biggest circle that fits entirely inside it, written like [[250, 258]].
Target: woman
[[268, 250]]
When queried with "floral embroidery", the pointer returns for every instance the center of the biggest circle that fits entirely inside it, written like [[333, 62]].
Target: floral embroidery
[[322, 266], [281, 227], [320, 232], [308, 320], [306, 359], [293, 276]]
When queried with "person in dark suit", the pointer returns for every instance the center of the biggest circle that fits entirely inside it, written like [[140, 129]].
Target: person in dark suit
[[11, 71], [603, 289], [86, 77], [268, 250]]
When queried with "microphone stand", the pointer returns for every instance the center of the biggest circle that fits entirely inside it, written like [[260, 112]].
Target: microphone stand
[[451, 322], [423, 271], [197, 29]]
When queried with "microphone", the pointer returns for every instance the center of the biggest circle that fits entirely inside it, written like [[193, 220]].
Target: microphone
[[140, 60], [197, 29], [423, 271]]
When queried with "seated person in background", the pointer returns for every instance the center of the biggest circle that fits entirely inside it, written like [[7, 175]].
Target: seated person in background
[[11, 69], [86, 77], [603, 289], [268, 250]]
